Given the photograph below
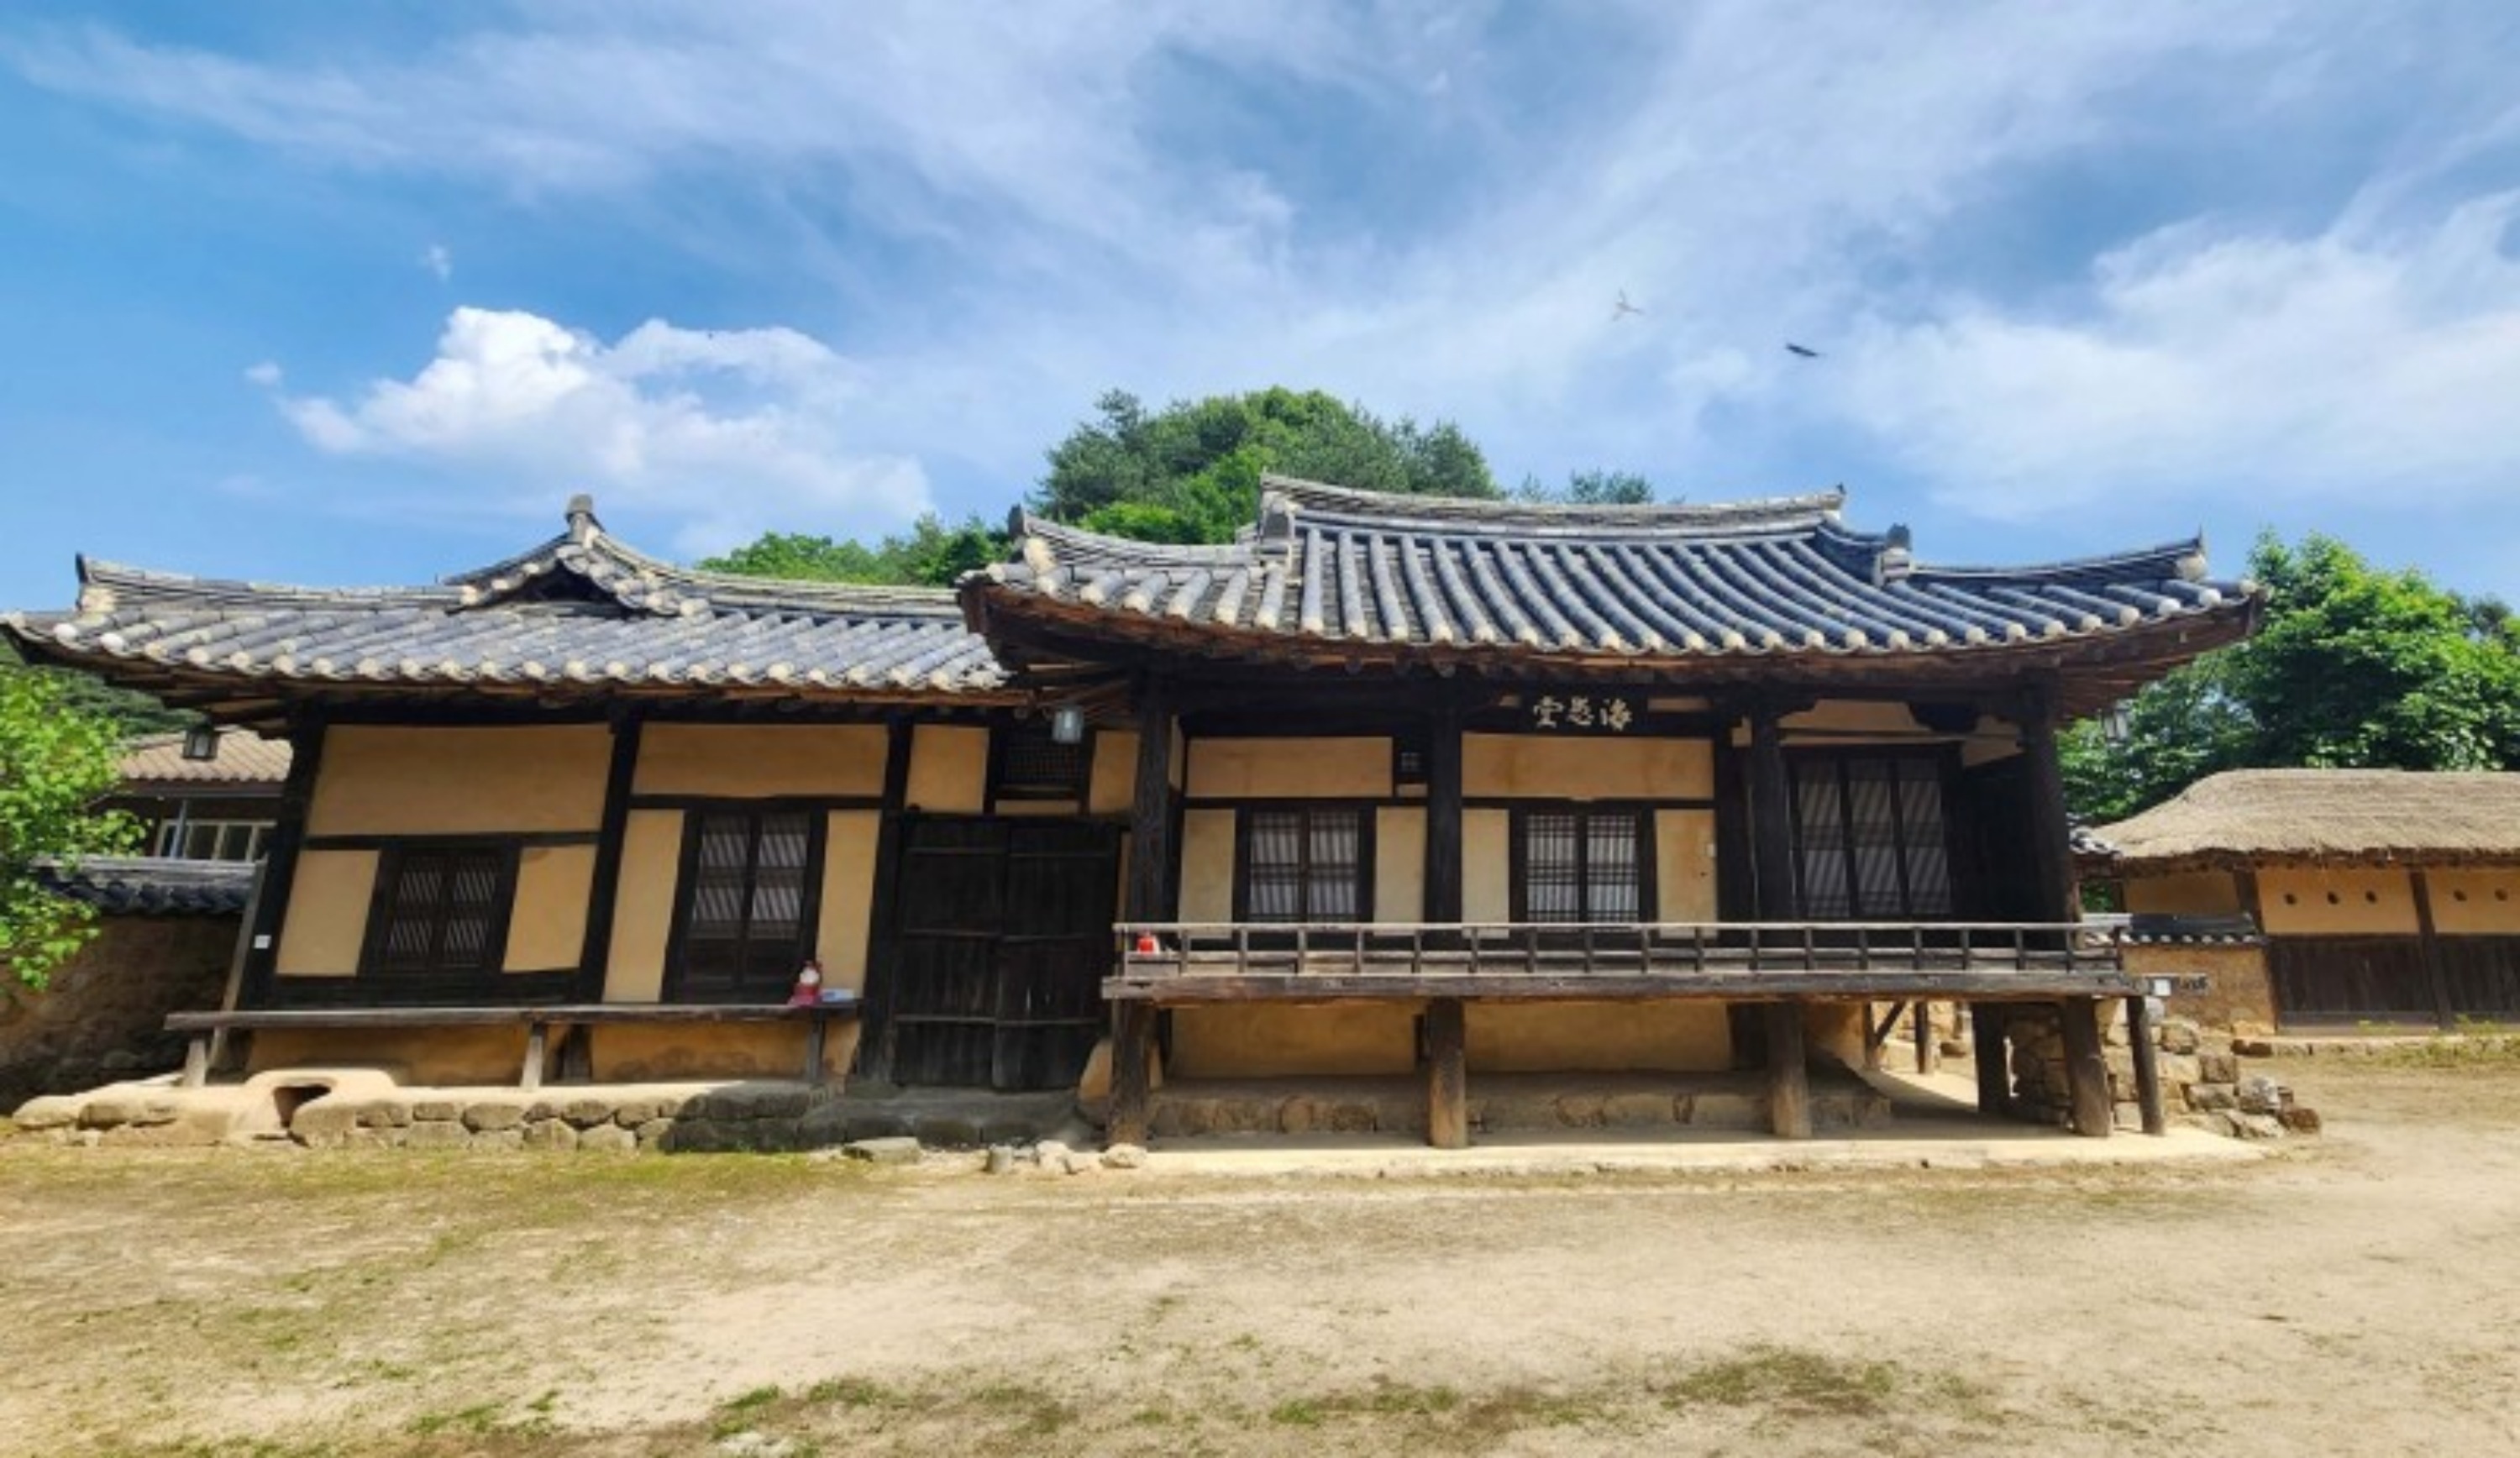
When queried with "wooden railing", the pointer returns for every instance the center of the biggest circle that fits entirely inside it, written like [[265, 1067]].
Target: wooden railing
[[1510, 954]]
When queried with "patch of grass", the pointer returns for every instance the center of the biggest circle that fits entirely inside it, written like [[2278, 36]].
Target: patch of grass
[[1796, 1381], [2469, 1049]]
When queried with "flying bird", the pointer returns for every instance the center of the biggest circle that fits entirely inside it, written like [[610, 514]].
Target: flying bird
[[1809, 354], [1622, 309]]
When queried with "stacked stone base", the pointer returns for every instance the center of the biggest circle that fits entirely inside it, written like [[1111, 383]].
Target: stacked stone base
[[371, 1113], [1510, 1104], [2202, 1081]]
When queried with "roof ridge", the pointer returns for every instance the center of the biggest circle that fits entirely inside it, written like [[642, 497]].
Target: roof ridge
[[1398, 508]]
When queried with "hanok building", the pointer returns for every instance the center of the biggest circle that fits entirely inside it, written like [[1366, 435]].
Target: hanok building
[[1391, 787], [2378, 898]]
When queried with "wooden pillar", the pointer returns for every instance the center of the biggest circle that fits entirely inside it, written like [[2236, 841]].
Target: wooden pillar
[[1447, 1101], [2052, 856], [2436, 971], [595, 955], [2147, 1066], [1922, 1014], [1772, 818], [1133, 1021], [279, 862], [2087, 1069], [1132, 1047], [1150, 818], [1994, 1073], [874, 1057], [1443, 872], [1789, 1072]]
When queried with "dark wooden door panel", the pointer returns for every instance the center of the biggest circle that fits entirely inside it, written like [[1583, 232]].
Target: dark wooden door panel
[[2349, 979], [2483, 974], [1003, 936]]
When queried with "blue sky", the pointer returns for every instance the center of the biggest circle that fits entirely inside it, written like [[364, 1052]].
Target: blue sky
[[361, 293]]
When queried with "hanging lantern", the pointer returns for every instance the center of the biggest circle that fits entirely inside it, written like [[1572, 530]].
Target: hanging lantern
[[201, 742]]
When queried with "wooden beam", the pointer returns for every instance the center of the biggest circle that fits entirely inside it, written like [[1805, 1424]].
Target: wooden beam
[[595, 955], [1929, 1057], [2050, 834], [1133, 1045], [1151, 816], [2087, 1069], [1772, 818], [2436, 970], [2147, 1066], [1448, 1102], [1788, 1072], [875, 1035], [280, 861], [1443, 872], [531, 1076], [1994, 1073], [1163, 984]]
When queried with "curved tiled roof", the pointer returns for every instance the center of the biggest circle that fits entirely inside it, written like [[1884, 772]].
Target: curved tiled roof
[[580, 612], [1344, 572], [143, 886]]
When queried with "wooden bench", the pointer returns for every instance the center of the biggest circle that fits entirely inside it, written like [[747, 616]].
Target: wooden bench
[[537, 1021]]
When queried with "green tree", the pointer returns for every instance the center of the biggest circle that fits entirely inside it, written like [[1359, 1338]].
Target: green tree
[[931, 554], [56, 762], [1190, 471], [2355, 667], [136, 713]]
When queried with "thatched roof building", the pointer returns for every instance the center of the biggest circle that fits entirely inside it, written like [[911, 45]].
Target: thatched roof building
[[2245, 817]]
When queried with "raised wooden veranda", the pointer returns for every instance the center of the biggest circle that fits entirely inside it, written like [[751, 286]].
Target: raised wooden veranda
[[1776, 965]]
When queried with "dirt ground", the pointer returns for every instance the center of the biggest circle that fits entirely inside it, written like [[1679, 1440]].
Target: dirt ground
[[2356, 1295]]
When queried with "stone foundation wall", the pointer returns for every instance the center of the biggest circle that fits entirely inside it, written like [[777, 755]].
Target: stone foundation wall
[[2202, 1081], [104, 1015]]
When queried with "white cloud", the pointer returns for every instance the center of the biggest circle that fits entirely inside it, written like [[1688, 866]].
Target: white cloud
[[726, 431], [1093, 196], [439, 260], [2335, 367], [266, 373]]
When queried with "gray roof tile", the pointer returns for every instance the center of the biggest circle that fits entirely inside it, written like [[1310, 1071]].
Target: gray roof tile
[[580, 609], [1782, 577]]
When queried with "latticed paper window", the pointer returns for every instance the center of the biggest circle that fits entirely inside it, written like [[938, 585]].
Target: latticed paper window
[[743, 922], [1870, 838], [1304, 863], [438, 911], [1583, 865], [1033, 766]]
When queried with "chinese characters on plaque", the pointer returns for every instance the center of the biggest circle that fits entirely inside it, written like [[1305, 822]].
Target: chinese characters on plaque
[[1584, 713]]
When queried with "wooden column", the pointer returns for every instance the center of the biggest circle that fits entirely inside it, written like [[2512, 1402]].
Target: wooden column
[[2147, 1066], [1443, 879], [1448, 1102], [1133, 1022], [1773, 898], [1132, 1047], [1921, 1014], [874, 1057], [1993, 1074], [1789, 1072], [2436, 971], [1772, 818], [1150, 818], [595, 954], [2051, 854], [2087, 1069], [280, 862]]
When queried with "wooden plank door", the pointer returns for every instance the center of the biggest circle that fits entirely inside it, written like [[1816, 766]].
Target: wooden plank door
[[1002, 931]]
